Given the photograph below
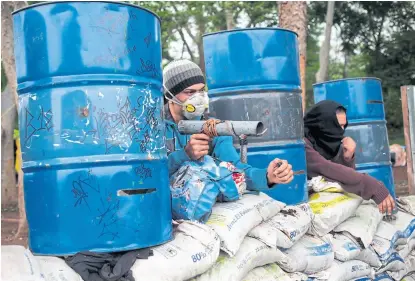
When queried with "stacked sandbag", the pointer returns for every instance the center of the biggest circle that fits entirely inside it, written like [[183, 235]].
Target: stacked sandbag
[[252, 253], [345, 271], [272, 272], [233, 220], [363, 225], [309, 255], [194, 249], [330, 210], [19, 264], [391, 239], [286, 228]]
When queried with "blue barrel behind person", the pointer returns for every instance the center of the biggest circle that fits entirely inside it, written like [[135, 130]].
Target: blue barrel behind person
[[92, 135], [253, 75], [362, 97]]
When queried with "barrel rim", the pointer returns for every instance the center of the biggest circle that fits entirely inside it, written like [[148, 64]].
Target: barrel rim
[[250, 28], [79, 1], [346, 79]]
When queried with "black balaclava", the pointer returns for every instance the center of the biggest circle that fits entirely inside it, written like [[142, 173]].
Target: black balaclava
[[322, 128]]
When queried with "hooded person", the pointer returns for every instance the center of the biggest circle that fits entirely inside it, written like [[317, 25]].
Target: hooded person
[[186, 99], [331, 155]]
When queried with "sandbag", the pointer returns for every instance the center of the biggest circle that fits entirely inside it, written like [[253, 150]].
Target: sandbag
[[309, 255], [386, 239], [266, 206], [19, 264], [409, 267], [407, 204], [370, 257], [320, 184], [383, 277], [345, 248], [394, 263], [347, 271], [56, 269], [270, 272], [409, 277], [363, 225], [252, 253], [405, 223], [194, 249], [197, 185], [407, 249], [286, 228], [331, 209], [233, 220]]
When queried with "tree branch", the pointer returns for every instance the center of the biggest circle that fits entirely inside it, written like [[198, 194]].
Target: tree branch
[[186, 27], [186, 44]]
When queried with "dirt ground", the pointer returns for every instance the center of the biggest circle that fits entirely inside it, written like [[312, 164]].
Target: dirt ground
[[9, 216]]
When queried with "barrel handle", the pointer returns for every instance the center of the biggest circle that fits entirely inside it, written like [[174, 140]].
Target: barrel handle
[[131, 192]]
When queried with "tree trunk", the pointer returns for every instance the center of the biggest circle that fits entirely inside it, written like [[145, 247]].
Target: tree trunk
[[7, 53], [8, 119], [346, 63], [229, 16], [293, 15], [322, 73]]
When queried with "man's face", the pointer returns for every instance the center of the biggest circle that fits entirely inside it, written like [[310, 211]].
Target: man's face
[[190, 91], [342, 118]]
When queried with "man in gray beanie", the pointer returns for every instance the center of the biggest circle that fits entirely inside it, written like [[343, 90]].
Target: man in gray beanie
[[184, 85]]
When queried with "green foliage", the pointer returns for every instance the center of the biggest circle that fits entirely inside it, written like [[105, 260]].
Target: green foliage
[[185, 22], [379, 41]]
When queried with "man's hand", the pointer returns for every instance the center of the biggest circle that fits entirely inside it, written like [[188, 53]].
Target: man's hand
[[349, 147], [279, 171], [387, 205], [198, 146]]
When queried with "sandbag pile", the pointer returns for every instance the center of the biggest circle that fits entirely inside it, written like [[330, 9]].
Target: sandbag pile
[[336, 236]]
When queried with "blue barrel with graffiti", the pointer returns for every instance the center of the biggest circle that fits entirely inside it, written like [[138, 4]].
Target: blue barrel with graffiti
[[362, 97], [253, 75], [92, 135]]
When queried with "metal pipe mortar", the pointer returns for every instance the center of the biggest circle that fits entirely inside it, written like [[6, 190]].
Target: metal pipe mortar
[[225, 128], [240, 129]]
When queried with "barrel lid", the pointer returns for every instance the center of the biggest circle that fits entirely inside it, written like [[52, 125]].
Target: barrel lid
[[251, 28], [110, 2], [346, 79]]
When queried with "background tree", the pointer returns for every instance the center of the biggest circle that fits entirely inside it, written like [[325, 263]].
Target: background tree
[[293, 15], [322, 73], [9, 115]]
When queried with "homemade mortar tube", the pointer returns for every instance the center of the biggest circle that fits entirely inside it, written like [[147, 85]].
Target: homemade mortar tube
[[225, 128]]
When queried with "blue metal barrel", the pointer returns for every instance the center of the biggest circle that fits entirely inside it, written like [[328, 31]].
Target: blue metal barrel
[[92, 135], [253, 74], [362, 97]]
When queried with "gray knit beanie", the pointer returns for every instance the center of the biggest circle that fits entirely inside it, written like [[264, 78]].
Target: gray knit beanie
[[181, 74]]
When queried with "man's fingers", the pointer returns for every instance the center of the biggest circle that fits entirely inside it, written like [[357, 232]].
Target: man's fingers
[[389, 206], [283, 166], [201, 137], [195, 141], [282, 174], [274, 163], [201, 153], [200, 147], [289, 179], [285, 178], [381, 207]]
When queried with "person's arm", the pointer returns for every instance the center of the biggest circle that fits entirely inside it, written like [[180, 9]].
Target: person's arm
[[363, 185], [256, 179], [176, 160]]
